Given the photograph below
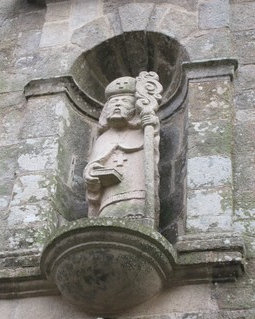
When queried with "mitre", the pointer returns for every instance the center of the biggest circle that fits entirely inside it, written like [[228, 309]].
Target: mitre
[[123, 85]]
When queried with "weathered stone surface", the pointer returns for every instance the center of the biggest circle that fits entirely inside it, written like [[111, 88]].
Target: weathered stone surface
[[232, 296], [209, 210], [38, 154], [211, 44], [6, 187], [12, 82], [54, 306], [244, 205], [135, 17], [92, 34], [70, 200], [213, 14], [11, 119], [172, 168], [209, 171], [50, 110], [245, 100], [22, 217], [249, 239], [115, 23], [31, 188], [16, 22], [197, 296], [210, 117], [245, 45], [210, 100], [39, 307], [239, 314], [83, 12], [210, 224], [8, 163], [55, 33], [7, 49], [177, 22], [244, 137], [246, 78], [30, 21], [210, 138], [244, 168], [74, 146], [29, 225], [104, 236], [92, 71], [240, 1], [172, 140], [172, 197], [247, 227], [58, 62], [21, 59], [210, 241], [242, 16], [189, 5], [157, 14], [58, 11], [113, 6], [27, 42]]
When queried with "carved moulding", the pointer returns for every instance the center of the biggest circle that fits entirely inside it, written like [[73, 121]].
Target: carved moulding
[[106, 266], [198, 259]]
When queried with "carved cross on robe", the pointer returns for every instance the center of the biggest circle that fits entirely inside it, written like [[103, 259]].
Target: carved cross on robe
[[119, 159]]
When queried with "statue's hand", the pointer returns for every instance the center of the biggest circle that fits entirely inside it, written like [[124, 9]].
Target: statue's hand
[[149, 119], [93, 182]]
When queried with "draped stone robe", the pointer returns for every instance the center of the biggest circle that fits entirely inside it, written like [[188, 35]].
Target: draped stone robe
[[123, 151]]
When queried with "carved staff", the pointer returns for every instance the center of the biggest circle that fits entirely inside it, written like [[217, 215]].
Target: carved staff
[[148, 94]]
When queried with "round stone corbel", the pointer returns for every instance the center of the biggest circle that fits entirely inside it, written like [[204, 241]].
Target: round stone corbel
[[105, 266]]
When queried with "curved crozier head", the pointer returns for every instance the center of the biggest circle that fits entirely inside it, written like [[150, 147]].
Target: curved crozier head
[[119, 109]]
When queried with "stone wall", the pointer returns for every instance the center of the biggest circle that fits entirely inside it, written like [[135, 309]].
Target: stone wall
[[47, 127]]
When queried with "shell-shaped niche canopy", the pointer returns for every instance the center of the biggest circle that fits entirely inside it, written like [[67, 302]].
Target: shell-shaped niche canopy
[[127, 55]]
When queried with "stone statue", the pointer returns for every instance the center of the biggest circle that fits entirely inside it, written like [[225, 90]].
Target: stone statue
[[122, 175]]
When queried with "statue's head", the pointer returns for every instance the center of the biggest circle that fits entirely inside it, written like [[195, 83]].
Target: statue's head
[[119, 109]]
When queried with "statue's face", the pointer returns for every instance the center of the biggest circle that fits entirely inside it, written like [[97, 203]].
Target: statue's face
[[120, 109]]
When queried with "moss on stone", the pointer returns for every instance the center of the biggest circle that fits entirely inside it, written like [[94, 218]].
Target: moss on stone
[[227, 199], [115, 225]]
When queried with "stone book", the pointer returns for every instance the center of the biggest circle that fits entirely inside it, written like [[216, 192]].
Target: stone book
[[107, 176]]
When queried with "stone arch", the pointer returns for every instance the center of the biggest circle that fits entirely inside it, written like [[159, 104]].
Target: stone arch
[[128, 54]]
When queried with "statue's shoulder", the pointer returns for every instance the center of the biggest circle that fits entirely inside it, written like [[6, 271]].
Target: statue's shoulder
[[132, 140], [125, 139], [108, 136]]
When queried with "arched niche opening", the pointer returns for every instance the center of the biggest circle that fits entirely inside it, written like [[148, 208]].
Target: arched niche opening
[[127, 55]]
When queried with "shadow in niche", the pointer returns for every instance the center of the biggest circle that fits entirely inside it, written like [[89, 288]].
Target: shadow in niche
[[127, 55]]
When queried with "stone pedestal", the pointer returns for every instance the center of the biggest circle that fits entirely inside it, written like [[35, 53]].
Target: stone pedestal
[[106, 267]]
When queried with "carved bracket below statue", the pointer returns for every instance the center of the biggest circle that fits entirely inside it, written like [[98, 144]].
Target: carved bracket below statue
[[126, 249], [107, 266]]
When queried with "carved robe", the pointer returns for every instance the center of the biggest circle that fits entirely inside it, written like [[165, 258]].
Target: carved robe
[[123, 151]]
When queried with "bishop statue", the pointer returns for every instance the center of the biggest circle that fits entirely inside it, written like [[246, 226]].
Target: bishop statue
[[122, 173]]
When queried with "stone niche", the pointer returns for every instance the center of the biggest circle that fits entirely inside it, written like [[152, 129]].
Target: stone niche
[[123, 55], [129, 54]]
